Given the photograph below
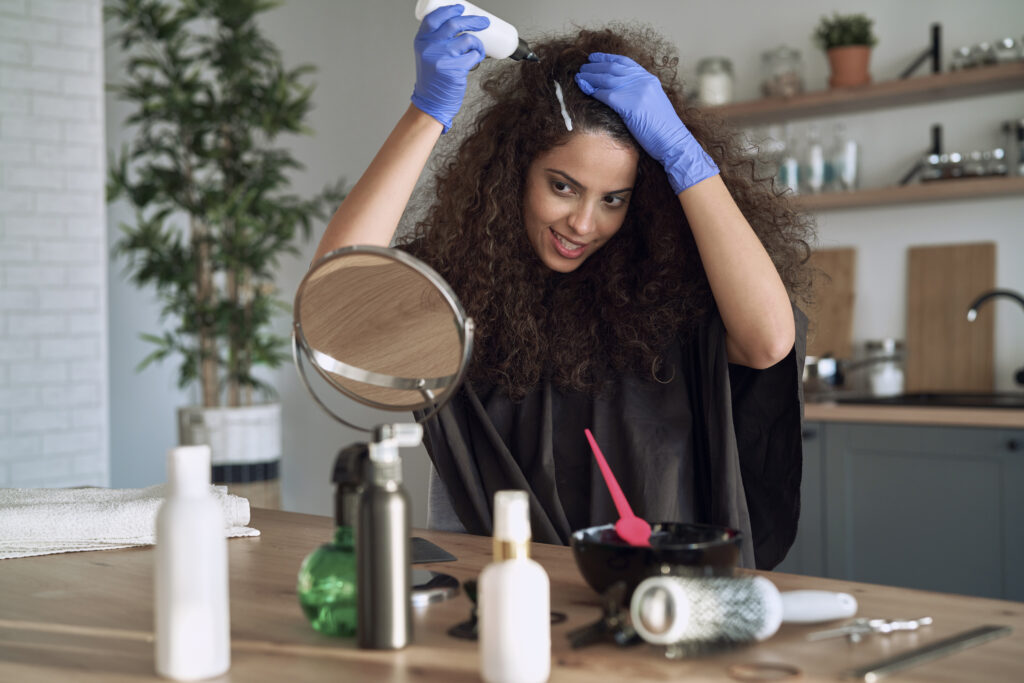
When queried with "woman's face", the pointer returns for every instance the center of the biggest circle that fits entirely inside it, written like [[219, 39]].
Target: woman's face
[[576, 198]]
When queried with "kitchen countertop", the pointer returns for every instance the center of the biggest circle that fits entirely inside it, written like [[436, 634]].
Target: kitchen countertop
[[831, 411], [88, 616]]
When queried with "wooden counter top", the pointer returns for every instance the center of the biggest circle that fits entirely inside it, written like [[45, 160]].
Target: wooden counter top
[[915, 415], [88, 617]]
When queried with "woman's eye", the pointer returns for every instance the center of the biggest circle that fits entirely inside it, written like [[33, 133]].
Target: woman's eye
[[560, 187], [614, 201]]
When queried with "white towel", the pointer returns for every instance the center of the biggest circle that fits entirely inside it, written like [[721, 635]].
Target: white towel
[[47, 521]]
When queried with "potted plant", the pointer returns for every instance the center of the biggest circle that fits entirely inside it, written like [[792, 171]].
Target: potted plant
[[847, 39], [212, 209]]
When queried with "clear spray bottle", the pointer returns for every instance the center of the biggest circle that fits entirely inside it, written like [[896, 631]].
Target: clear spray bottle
[[500, 39]]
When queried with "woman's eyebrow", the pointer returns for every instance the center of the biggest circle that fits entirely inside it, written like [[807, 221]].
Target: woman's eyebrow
[[581, 185]]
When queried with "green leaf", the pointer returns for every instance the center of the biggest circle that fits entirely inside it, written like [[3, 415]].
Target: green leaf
[[207, 94]]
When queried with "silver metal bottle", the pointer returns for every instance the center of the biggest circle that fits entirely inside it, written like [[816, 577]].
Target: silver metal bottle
[[383, 548]]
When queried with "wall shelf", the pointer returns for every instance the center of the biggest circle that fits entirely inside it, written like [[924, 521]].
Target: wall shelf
[[932, 88], [938, 190]]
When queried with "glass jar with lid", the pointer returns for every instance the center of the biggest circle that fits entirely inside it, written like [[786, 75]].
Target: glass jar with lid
[[714, 81], [884, 358], [962, 59], [782, 72], [1006, 50]]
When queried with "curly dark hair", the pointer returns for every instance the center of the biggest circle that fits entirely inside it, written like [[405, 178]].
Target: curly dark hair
[[626, 303]]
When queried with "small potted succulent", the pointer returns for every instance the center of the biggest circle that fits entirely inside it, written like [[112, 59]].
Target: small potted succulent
[[847, 39]]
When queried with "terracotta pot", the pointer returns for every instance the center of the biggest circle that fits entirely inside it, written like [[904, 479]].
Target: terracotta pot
[[849, 65]]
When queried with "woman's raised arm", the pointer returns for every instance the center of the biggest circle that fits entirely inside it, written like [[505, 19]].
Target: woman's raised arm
[[372, 209], [445, 53]]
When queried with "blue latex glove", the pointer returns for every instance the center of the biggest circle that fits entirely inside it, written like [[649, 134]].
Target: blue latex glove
[[444, 56], [636, 95]]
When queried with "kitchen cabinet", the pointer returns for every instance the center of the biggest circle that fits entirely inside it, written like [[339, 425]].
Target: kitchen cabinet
[[927, 507], [883, 95], [807, 554]]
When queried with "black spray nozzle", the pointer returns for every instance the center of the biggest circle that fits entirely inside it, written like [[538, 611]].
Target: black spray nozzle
[[348, 466], [524, 52], [348, 476]]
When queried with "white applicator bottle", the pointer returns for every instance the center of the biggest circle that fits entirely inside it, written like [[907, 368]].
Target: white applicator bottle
[[501, 39], [192, 621], [514, 600]]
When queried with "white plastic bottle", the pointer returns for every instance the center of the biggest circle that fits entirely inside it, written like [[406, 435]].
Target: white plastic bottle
[[192, 621], [514, 598], [500, 39]]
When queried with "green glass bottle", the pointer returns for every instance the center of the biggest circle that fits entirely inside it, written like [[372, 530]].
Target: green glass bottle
[[327, 579], [327, 585]]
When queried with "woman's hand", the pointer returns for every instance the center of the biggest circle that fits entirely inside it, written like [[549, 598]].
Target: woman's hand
[[636, 95], [444, 55], [750, 295]]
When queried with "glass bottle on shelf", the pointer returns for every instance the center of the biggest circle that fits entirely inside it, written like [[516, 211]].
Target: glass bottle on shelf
[[983, 54], [771, 146], [932, 169], [789, 164], [961, 59], [844, 160], [974, 164], [1020, 147], [1006, 50], [954, 167], [995, 163], [814, 162]]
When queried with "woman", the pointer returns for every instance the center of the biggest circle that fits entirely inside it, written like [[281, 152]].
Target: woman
[[621, 279]]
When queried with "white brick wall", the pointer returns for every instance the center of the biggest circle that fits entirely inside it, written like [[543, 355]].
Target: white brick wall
[[54, 383]]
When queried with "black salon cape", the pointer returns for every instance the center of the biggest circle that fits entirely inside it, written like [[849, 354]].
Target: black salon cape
[[718, 444]]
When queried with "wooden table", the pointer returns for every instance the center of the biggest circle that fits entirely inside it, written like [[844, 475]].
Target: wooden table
[[88, 617]]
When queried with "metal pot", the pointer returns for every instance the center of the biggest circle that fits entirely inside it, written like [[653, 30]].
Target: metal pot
[[822, 373]]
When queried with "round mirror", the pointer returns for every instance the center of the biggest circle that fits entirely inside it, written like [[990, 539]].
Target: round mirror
[[383, 328]]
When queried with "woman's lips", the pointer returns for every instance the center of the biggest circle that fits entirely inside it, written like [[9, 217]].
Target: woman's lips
[[563, 248]]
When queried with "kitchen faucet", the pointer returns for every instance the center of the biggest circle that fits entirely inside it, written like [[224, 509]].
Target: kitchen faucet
[[972, 313]]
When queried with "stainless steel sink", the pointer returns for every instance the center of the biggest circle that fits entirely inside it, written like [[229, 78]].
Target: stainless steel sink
[[937, 399]]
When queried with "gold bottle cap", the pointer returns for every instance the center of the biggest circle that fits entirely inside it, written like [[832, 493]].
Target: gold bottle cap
[[511, 550], [511, 525]]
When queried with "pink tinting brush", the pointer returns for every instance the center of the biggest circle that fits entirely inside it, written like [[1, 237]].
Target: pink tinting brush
[[631, 529]]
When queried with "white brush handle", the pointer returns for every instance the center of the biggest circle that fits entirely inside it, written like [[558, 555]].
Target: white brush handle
[[809, 607]]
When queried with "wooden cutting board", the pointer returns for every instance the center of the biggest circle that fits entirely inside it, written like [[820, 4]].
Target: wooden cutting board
[[830, 331], [944, 351]]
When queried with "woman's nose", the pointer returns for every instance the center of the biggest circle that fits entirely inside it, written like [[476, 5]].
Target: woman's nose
[[581, 220]]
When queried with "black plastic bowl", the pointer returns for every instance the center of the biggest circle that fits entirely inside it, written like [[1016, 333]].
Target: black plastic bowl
[[676, 548]]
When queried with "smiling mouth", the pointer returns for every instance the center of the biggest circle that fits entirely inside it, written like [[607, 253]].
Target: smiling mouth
[[568, 247]]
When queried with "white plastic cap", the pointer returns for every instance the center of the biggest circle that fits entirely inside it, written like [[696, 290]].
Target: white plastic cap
[[188, 470], [512, 516], [387, 439]]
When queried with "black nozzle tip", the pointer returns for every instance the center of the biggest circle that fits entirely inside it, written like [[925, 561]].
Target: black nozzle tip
[[524, 52]]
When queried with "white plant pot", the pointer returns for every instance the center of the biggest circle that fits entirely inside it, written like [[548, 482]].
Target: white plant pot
[[236, 436]]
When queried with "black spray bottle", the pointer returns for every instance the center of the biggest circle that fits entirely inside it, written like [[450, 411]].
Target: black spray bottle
[[383, 546]]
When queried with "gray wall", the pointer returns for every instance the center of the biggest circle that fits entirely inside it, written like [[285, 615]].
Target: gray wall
[[364, 54], [53, 265]]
